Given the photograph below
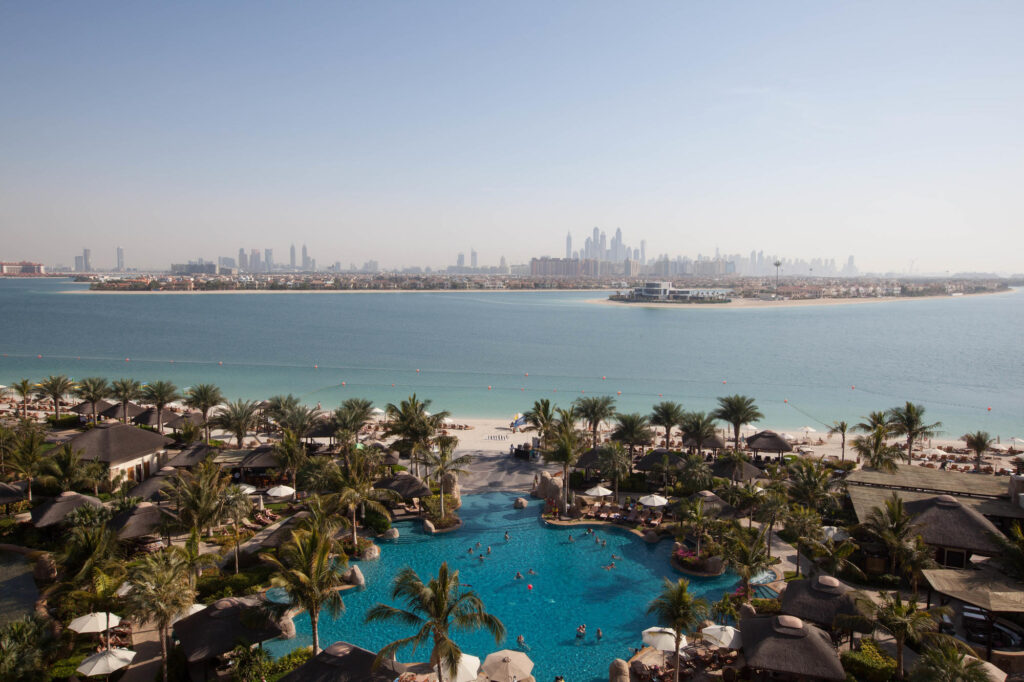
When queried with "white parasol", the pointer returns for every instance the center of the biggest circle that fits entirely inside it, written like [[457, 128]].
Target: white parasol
[[724, 636], [662, 639], [653, 501], [106, 662], [598, 491], [281, 491], [98, 621]]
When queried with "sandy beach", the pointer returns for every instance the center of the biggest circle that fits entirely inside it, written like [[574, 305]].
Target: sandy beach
[[798, 303]]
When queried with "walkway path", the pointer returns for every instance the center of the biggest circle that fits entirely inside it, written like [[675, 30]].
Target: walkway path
[[146, 665]]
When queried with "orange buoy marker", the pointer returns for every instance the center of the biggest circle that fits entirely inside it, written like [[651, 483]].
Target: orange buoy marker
[[618, 392], [343, 383], [488, 388], [530, 586], [127, 359], [603, 378], [392, 385], [220, 363], [785, 401], [527, 374], [852, 387], [723, 381], [40, 357], [990, 409], [660, 396], [417, 371]]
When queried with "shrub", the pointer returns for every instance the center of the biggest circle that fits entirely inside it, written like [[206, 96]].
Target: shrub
[[868, 663], [289, 662], [378, 523], [210, 588], [766, 605], [66, 421]]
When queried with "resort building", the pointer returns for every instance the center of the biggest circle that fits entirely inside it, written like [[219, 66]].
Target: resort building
[[664, 291], [125, 448]]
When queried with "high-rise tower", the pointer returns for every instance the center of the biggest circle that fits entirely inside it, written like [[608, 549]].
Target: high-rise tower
[[292, 260], [568, 245]]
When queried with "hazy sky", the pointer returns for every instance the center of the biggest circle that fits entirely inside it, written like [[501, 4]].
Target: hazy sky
[[408, 131]]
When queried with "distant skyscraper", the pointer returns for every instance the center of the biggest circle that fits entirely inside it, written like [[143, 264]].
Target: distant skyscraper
[[87, 260], [305, 258], [120, 259], [268, 259], [254, 260], [472, 258], [293, 257], [79, 264], [461, 260], [243, 260], [643, 252], [568, 245]]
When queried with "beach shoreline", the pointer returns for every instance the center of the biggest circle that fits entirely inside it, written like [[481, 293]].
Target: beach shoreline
[[331, 291], [751, 303]]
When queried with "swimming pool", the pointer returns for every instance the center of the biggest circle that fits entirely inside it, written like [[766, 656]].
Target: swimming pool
[[570, 587]]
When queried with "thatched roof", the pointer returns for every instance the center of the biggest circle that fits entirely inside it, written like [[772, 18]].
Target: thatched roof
[[117, 443], [114, 411], [768, 441], [656, 457], [52, 512], [322, 428], [148, 417], [713, 443], [725, 469], [179, 420], [149, 490], [191, 456], [262, 457], [944, 522], [922, 479], [13, 492], [819, 600], [985, 588], [787, 645], [406, 485], [714, 505], [221, 626], [144, 519], [85, 408], [865, 498], [343, 662], [588, 460]]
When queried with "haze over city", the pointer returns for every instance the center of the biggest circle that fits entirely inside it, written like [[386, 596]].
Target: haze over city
[[407, 134]]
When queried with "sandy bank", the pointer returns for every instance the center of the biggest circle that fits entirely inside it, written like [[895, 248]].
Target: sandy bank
[[800, 303], [330, 291]]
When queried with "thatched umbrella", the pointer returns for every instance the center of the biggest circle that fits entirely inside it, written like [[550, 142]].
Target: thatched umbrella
[[142, 520], [769, 441], [714, 443], [944, 522], [787, 645], [114, 411], [343, 662], [87, 409], [743, 472], [714, 505], [656, 457], [819, 601], [54, 511], [220, 627], [148, 417], [591, 459], [406, 485], [178, 421]]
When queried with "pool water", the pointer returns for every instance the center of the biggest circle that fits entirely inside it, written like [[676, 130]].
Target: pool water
[[570, 587]]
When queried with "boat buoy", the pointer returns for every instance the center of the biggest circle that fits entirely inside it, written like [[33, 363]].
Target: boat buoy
[[603, 378], [488, 388], [527, 374], [530, 586], [39, 357], [990, 409], [220, 363], [660, 396], [618, 393], [127, 359], [785, 401], [392, 385], [417, 371], [723, 381], [343, 383], [852, 387]]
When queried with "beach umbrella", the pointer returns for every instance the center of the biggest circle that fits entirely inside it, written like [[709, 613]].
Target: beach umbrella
[[377, 412], [653, 501], [724, 636], [106, 662], [598, 491], [808, 429], [246, 488], [834, 533], [467, 670], [933, 451], [504, 665], [281, 491], [662, 639], [97, 621], [195, 608], [448, 421]]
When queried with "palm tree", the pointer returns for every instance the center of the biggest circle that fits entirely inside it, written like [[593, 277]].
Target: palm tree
[[237, 418], [614, 462], [698, 427], [944, 662], [696, 520], [160, 394], [443, 461], [27, 453], [24, 388], [237, 506], [872, 421], [841, 428], [541, 418], [321, 474], [593, 410], [805, 523], [278, 406], [353, 415], [92, 390], [902, 620], [93, 473], [412, 425], [63, 470], [893, 526], [359, 494], [300, 420], [125, 390], [566, 449], [694, 473], [771, 507], [160, 593], [632, 429], [290, 455], [55, 387], [199, 495], [979, 441], [736, 458], [914, 557], [872, 449], [434, 609], [835, 556], [811, 484], [308, 567], [1011, 555], [746, 552], [667, 415], [204, 397], [909, 421], [677, 609], [192, 556], [737, 410]]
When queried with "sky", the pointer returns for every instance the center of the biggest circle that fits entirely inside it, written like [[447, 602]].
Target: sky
[[407, 132]]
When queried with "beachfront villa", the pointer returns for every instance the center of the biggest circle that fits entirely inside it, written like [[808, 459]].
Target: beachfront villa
[[133, 451], [666, 292]]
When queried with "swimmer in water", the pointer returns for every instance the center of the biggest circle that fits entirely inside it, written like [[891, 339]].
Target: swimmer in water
[[615, 556], [506, 536], [470, 551], [572, 539], [531, 572], [488, 549], [581, 631], [519, 576], [604, 543], [521, 641], [481, 557], [599, 634], [597, 540], [478, 545]]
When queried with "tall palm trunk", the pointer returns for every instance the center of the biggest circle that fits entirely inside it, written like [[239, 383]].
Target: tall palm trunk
[[565, 487], [94, 417], [237, 539], [355, 534], [163, 649], [314, 620], [668, 435], [28, 489], [160, 420], [679, 641]]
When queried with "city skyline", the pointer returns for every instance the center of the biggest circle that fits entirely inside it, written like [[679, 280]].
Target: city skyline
[[403, 135]]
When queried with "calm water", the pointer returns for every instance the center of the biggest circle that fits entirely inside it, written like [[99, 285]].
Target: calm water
[[957, 356], [570, 587]]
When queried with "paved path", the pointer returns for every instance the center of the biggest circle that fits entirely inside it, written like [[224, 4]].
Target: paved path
[[499, 471], [146, 665]]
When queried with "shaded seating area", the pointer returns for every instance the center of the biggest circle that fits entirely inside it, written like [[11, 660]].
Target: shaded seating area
[[179, 420], [53, 512], [117, 410], [786, 648], [140, 524], [984, 588], [821, 601], [148, 417], [741, 472], [207, 635], [955, 530], [656, 457], [86, 409], [343, 662], [714, 505], [769, 441]]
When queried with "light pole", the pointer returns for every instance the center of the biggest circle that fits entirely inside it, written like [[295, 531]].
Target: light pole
[[778, 264]]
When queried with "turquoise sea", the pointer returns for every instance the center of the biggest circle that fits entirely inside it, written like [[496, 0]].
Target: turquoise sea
[[494, 353]]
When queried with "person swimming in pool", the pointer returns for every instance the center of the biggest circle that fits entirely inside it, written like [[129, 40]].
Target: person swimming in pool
[[581, 631], [531, 572], [519, 576], [521, 641], [506, 536]]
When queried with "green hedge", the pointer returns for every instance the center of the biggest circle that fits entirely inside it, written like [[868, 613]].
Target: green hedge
[[378, 523], [763, 606], [249, 581], [868, 664]]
